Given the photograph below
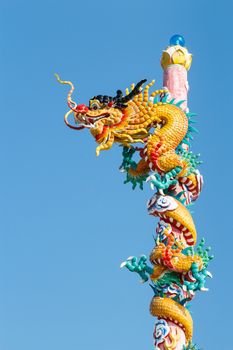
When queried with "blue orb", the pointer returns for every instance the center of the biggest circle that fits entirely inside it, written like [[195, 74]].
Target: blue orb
[[177, 40]]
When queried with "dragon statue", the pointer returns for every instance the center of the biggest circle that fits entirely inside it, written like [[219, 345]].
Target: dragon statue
[[154, 130]]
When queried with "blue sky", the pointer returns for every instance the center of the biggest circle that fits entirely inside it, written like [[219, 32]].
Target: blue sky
[[67, 220]]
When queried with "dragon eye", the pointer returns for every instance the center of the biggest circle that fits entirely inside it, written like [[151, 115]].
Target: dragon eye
[[95, 106], [164, 203]]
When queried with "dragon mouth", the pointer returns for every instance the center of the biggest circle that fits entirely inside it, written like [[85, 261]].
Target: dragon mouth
[[89, 121], [171, 212], [176, 226]]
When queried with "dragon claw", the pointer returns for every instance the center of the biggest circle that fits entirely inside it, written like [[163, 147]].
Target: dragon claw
[[123, 264], [150, 178], [122, 169], [143, 257], [163, 182], [139, 266], [130, 258], [142, 281], [209, 274], [152, 186]]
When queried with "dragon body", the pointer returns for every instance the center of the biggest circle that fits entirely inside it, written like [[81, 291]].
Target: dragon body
[[177, 270], [155, 132]]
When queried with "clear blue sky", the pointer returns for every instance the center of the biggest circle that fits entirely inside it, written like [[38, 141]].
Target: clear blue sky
[[67, 220]]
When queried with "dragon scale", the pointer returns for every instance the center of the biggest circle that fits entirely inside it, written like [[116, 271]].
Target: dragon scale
[[154, 130]]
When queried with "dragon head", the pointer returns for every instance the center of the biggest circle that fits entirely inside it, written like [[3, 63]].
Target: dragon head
[[105, 116], [172, 212]]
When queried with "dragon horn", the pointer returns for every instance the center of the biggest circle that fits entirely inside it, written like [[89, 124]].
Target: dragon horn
[[121, 100], [137, 89]]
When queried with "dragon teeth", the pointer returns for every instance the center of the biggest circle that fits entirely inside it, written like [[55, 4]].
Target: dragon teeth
[[188, 234], [152, 201], [190, 240], [170, 219], [183, 179], [178, 224]]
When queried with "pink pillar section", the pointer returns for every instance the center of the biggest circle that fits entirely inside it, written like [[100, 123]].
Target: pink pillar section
[[175, 79]]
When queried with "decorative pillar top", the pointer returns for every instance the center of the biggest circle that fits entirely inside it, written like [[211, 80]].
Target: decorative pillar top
[[176, 53]]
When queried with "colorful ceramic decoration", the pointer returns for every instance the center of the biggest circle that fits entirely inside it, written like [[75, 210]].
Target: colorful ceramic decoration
[[155, 130]]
